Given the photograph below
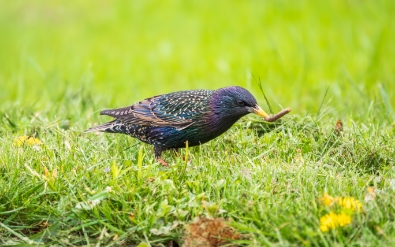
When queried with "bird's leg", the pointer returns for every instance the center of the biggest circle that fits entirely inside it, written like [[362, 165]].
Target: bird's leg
[[158, 151]]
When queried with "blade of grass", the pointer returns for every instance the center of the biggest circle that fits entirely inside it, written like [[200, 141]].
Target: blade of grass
[[322, 102], [259, 83], [20, 236]]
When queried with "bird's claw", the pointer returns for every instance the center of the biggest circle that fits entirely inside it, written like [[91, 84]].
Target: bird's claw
[[163, 162]]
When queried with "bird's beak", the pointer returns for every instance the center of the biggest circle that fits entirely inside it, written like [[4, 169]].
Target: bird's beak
[[257, 110]]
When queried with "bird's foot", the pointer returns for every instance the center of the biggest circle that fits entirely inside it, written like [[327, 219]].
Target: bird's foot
[[163, 162]]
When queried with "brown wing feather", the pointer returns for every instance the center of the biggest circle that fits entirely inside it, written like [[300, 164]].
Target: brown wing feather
[[142, 113]]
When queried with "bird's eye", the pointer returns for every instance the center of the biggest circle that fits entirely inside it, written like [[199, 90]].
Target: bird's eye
[[241, 103]]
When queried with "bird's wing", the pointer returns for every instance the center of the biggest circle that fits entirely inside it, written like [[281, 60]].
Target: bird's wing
[[176, 110]]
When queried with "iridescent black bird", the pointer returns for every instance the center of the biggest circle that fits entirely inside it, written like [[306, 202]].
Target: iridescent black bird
[[168, 121]]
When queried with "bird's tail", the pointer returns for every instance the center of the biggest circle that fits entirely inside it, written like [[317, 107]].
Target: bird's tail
[[112, 127]]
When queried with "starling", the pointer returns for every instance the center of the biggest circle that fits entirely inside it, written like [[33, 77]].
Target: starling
[[168, 121]]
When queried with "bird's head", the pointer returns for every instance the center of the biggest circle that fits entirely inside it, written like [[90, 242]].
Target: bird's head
[[236, 102]]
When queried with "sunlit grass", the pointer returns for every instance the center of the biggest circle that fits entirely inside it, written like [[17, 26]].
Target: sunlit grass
[[61, 63]]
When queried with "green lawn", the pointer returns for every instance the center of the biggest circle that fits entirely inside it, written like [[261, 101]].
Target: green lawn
[[61, 62]]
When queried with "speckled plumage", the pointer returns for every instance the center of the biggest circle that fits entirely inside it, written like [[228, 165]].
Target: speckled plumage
[[167, 121]]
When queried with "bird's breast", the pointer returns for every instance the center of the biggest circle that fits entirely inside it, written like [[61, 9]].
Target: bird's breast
[[203, 129]]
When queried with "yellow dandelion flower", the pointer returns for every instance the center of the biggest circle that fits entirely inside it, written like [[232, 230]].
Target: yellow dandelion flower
[[28, 140], [327, 199], [332, 221], [349, 203]]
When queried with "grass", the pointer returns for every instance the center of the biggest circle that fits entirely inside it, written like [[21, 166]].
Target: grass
[[63, 62]]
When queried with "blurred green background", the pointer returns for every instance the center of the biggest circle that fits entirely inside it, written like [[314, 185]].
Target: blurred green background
[[120, 52]]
